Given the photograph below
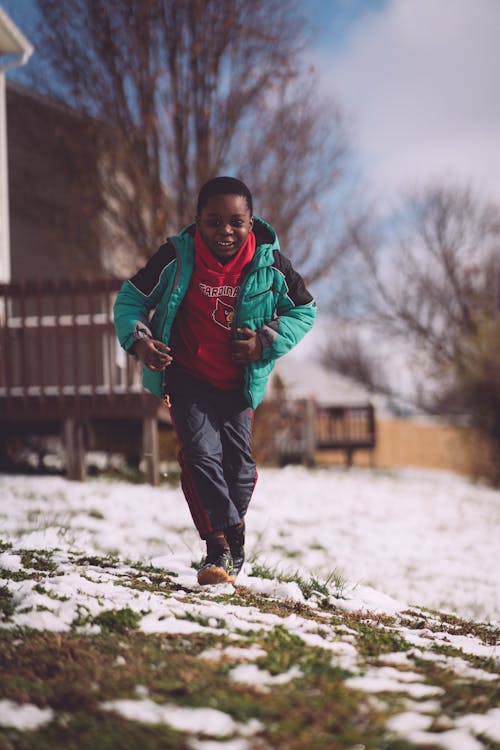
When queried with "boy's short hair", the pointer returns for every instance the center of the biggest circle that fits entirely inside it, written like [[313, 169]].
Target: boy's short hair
[[223, 186]]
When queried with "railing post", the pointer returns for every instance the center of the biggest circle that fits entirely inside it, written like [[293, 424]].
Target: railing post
[[74, 442], [310, 432], [150, 450]]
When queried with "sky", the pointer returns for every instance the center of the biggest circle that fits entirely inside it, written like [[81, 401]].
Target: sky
[[417, 81]]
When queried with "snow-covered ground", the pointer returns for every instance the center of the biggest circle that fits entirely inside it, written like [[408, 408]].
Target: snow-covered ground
[[391, 539], [425, 539]]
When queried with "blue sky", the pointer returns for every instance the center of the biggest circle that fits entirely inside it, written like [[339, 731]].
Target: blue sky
[[417, 81]]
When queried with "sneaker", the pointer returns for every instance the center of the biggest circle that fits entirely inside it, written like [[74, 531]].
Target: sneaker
[[235, 536], [218, 566]]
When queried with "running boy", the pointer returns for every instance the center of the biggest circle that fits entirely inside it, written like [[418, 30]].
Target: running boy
[[227, 305]]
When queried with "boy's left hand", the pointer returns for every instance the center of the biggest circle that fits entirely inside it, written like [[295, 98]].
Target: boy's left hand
[[248, 349]]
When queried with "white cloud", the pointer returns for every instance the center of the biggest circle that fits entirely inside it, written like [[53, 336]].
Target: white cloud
[[420, 80]]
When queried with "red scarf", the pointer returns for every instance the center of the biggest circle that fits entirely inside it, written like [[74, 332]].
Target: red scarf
[[203, 329]]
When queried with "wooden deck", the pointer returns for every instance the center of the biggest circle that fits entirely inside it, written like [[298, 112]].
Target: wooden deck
[[60, 361], [304, 430]]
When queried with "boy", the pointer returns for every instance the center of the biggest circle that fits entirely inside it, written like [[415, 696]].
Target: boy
[[228, 304]]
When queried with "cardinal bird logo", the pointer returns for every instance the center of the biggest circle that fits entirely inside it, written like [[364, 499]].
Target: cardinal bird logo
[[223, 314]]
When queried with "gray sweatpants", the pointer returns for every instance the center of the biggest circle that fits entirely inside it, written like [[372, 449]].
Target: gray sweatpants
[[214, 429]]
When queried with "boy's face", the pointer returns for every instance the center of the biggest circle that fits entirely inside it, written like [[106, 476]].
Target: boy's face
[[224, 223]]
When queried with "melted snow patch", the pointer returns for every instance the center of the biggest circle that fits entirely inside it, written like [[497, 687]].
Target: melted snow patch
[[23, 716], [367, 599], [273, 588], [261, 679], [453, 739], [10, 562], [414, 726], [235, 653], [388, 679], [488, 723], [208, 722], [236, 744]]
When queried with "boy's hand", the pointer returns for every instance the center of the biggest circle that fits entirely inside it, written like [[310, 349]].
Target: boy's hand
[[248, 349], [155, 355]]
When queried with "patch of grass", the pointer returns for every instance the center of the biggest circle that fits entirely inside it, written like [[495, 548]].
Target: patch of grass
[[83, 617], [7, 608], [335, 580], [118, 620], [19, 575], [268, 605], [309, 586], [478, 662], [40, 589], [155, 580], [373, 640], [317, 546], [286, 552], [93, 513], [75, 674], [98, 562], [39, 560], [102, 730], [206, 622], [454, 625], [286, 650], [460, 695]]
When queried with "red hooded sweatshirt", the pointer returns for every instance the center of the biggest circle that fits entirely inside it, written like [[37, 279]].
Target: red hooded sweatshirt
[[203, 328]]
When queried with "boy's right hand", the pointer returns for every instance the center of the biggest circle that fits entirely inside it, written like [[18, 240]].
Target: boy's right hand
[[154, 354]]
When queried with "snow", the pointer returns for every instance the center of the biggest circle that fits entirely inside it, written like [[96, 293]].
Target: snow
[[237, 744], [488, 723], [389, 679], [389, 543], [23, 716], [250, 674], [398, 538], [205, 721], [453, 739], [420, 537]]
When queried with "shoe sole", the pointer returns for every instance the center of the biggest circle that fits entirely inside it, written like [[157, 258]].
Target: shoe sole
[[212, 575]]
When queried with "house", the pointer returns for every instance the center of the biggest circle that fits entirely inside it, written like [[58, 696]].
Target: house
[[15, 50], [61, 370], [55, 203]]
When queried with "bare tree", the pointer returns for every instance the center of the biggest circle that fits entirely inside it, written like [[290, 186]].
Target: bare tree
[[188, 89], [441, 277], [434, 287]]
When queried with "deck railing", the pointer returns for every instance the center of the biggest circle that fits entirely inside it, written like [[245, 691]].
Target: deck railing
[[304, 429], [58, 348]]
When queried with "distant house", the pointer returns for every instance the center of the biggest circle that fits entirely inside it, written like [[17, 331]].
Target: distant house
[[55, 202], [61, 368]]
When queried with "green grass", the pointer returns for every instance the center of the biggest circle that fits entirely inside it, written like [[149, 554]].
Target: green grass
[[105, 657], [76, 674], [332, 585]]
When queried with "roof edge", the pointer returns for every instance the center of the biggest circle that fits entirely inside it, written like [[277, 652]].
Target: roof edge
[[20, 44]]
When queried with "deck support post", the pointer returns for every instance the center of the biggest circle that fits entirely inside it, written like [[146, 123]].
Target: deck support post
[[150, 450], [74, 442], [309, 433]]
